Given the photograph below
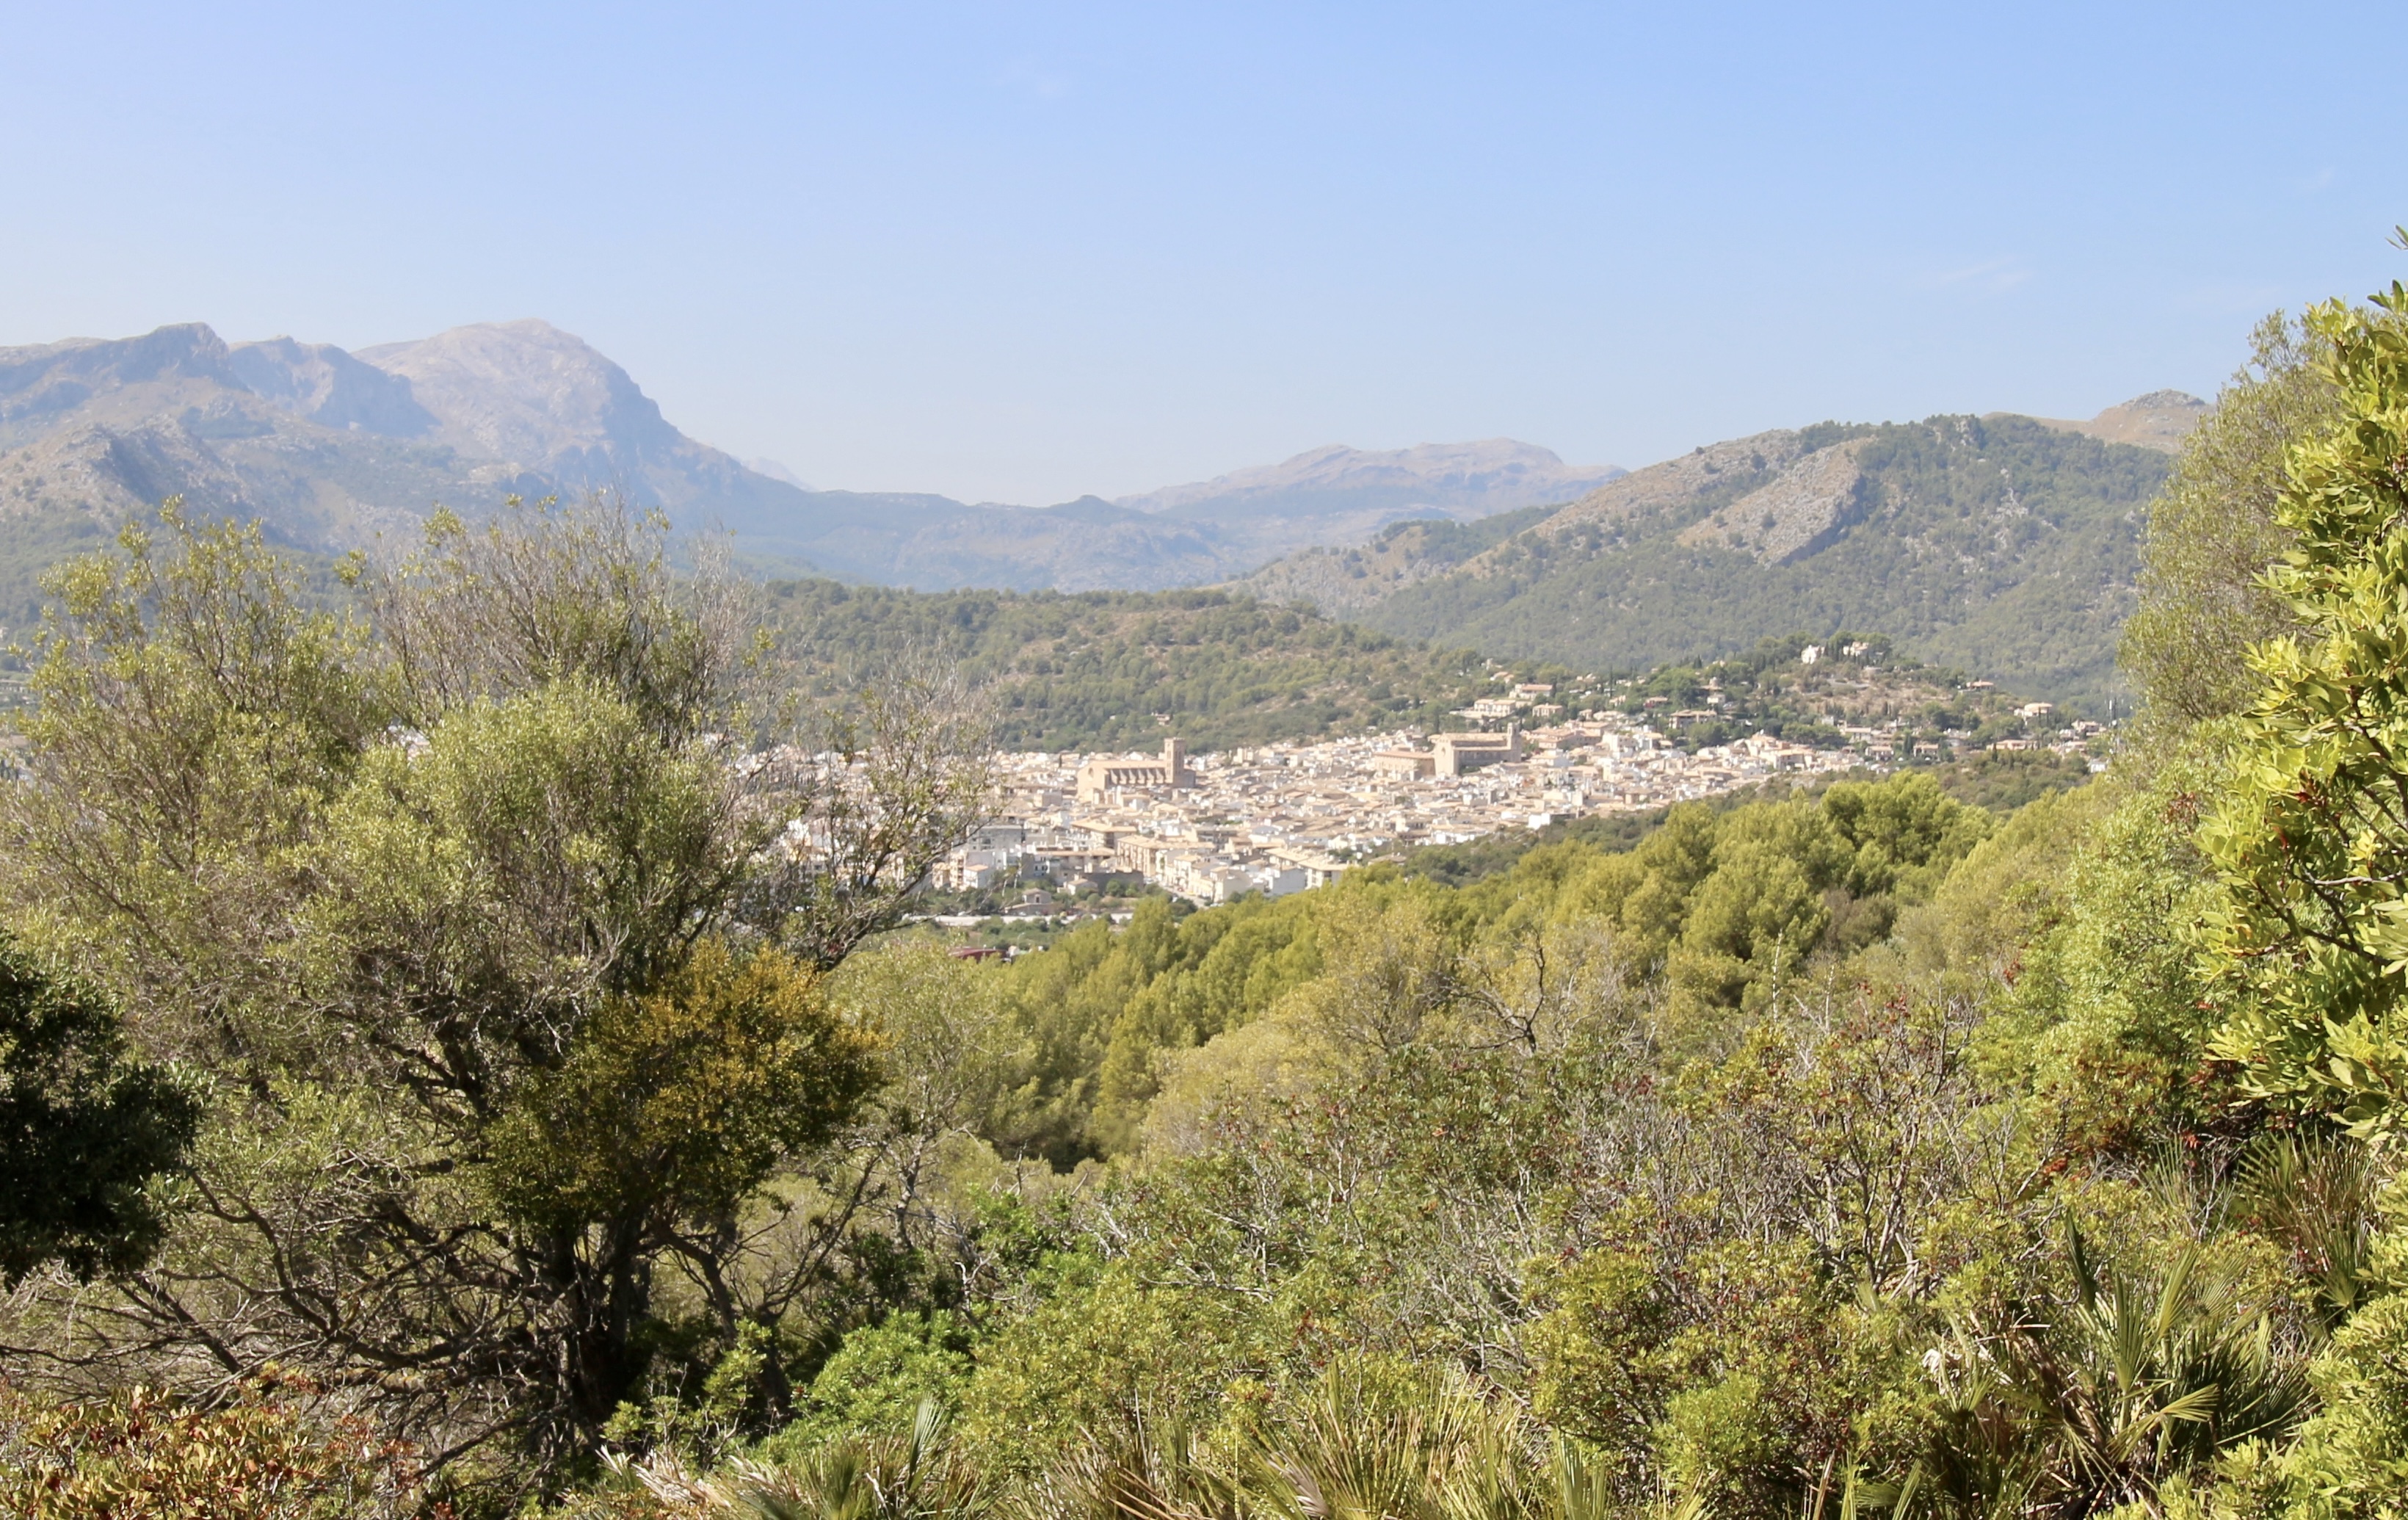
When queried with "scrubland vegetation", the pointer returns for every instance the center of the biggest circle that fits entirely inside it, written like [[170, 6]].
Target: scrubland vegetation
[[536, 1126]]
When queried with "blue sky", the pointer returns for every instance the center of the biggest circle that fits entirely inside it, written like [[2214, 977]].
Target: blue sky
[[1020, 252]]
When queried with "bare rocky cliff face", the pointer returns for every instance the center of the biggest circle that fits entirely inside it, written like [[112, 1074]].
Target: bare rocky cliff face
[[325, 450], [2159, 420], [527, 391], [321, 382], [1801, 509]]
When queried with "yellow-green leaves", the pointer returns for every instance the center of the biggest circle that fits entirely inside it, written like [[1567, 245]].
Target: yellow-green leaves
[[679, 1101], [2312, 836], [2213, 531], [195, 714], [526, 854], [472, 904]]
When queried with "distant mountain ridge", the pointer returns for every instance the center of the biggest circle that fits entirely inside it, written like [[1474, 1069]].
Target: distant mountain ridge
[[2005, 545], [331, 448], [1457, 480], [2159, 420]]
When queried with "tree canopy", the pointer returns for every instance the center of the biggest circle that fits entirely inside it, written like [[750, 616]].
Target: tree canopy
[[2313, 834], [85, 1131], [504, 937], [2217, 527]]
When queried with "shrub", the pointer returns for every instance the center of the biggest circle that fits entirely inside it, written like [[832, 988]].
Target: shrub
[[144, 1453]]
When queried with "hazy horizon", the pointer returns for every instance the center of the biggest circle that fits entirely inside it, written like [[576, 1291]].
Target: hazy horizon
[[1022, 258]]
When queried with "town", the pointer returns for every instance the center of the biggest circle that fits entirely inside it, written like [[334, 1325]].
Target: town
[[1274, 819], [1282, 818]]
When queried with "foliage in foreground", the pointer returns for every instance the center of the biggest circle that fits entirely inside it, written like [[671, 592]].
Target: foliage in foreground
[[2314, 833], [508, 967], [1847, 1154], [143, 1454]]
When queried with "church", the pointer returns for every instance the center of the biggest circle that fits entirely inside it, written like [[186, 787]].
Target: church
[[1100, 774]]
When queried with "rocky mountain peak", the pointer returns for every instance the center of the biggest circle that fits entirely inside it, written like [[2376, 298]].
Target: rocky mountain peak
[[2159, 420], [527, 392], [49, 379], [326, 385]]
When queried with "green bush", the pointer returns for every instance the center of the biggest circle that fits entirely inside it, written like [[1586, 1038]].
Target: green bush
[[878, 1379]]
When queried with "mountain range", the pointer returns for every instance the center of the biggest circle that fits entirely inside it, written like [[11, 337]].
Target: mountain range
[[331, 448], [2004, 545]]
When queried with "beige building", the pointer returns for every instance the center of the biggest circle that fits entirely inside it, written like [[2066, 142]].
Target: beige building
[[1450, 754], [1099, 776], [1455, 755]]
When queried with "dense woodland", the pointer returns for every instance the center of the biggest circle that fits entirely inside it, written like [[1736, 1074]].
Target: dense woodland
[[438, 1076], [1117, 669], [1111, 669]]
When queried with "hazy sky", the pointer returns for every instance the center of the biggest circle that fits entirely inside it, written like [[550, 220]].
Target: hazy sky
[[1020, 252]]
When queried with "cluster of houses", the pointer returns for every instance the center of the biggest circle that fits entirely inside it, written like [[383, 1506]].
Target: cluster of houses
[[1285, 817]]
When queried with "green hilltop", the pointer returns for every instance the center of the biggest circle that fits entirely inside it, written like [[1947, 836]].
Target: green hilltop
[[2002, 545], [1093, 669], [1119, 669]]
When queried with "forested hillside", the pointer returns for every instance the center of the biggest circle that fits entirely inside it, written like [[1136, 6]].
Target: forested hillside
[[1342, 582], [447, 1074], [1106, 670], [1093, 670], [2000, 545]]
